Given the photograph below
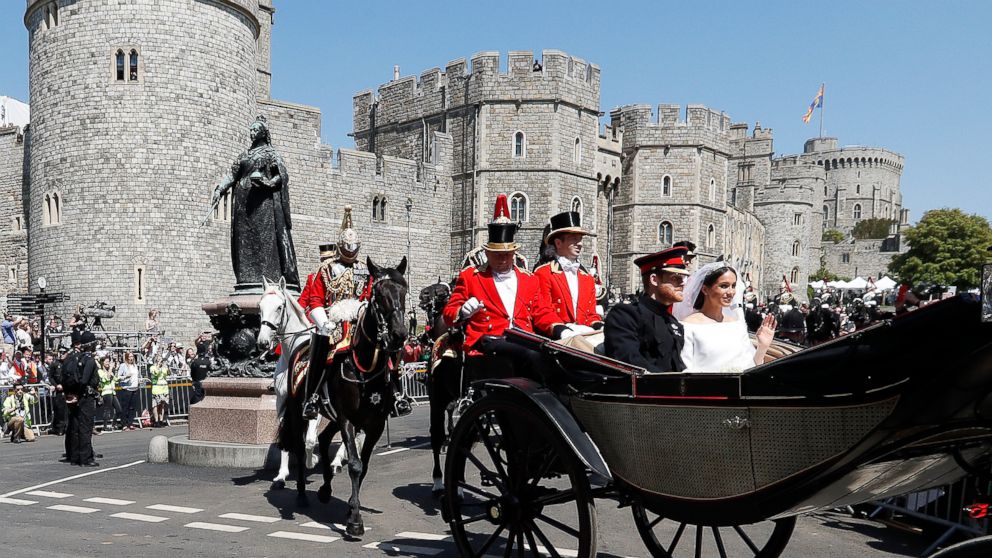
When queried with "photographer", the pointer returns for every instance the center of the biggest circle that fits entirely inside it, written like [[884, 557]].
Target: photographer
[[17, 413], [80, 382]]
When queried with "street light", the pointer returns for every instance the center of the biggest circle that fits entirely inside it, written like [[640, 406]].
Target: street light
[[409, 213]]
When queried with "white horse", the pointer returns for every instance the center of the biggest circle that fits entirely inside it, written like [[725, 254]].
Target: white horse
[[284, 322]]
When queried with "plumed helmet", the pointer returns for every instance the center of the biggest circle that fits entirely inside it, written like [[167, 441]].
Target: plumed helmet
[[348, 243]]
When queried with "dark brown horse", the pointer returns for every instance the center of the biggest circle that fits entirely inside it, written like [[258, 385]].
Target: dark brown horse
[[359, 386]]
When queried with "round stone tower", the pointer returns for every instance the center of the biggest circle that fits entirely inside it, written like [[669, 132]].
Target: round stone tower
[[138, 110]]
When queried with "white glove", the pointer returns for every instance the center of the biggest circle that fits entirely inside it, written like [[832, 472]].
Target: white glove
[[319, 318], [470, 307]]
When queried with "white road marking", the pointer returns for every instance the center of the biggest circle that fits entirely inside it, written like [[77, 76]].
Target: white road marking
[[422, 536], [140, 517], [216, 527], [404, 548], [303, 536], [67, 479], [73, 509], [16, 502], [315, 525], [177, 509], [392, 451], [47, 494], [247, 517], [109, 501], [561, 551]]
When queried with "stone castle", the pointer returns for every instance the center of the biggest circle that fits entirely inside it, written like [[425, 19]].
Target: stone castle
[[138, 109]]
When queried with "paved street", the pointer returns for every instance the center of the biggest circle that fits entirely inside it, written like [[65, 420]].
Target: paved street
[[131, 508]]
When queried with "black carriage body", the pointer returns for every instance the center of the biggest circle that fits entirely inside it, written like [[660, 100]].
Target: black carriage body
[[877, 413]]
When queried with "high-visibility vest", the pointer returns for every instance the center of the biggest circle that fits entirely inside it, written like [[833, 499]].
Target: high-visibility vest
[[108, 383], [160, 382]]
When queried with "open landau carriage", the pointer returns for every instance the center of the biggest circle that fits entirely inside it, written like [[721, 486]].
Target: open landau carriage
[[716, 464]]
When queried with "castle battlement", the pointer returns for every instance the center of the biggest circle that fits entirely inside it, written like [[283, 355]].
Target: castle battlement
[[560, 78], [825, 152], [700, 126], [395, 170]]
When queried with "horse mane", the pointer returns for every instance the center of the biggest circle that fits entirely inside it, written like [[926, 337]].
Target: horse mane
[[295, 305]]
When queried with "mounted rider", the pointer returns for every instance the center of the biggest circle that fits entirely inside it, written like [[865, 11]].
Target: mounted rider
[[566, 285], [497, 296], [332, 302]]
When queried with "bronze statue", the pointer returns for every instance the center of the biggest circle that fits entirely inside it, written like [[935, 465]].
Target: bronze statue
[[261, 230]]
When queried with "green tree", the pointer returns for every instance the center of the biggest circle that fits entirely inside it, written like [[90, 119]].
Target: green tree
[[832, 235], [823, 274], [946, 247], [872, 228]]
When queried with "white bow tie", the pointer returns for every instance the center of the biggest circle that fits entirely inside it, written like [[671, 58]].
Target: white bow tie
[[568, 265]]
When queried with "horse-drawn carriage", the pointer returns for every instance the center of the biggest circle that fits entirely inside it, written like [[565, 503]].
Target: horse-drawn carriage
[[720, 463]]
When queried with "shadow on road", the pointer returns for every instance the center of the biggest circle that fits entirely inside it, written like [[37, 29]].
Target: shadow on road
[[419, 494]]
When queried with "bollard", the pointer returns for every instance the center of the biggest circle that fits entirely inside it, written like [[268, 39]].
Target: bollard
[[158, 450]]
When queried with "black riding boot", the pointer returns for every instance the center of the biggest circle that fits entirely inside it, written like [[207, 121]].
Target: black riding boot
[[320, 347]]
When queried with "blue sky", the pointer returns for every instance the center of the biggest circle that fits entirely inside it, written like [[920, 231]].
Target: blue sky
[[913, 77]]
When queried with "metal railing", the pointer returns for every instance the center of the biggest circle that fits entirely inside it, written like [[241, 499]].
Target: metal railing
[[43, 408], [413, 378]]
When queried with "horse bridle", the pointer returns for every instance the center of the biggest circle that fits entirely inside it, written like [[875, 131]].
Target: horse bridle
[[279, 332]]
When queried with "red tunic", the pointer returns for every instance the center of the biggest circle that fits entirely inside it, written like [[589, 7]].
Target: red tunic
[[556, 294], [530, 313]]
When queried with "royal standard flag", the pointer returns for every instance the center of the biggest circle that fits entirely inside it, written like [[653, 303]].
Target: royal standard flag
[[817, 102]]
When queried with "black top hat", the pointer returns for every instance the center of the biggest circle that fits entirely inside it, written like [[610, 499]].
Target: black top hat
[[566, 222]]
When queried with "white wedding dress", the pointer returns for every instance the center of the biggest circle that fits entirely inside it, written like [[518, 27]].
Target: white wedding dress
[[717, 347]]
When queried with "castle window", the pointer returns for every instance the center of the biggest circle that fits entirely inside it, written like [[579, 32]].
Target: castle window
[[795, 248], [518, 207], [379, 209], [733, 197], [133, 66], [825, 190], [588, 72], [375, 208], [577, 152], [712, 190], [12, 274], [857, 189], [666, 187], [857, 211], [744, 172], [139, 283], [223, 210], [797, 218], [794, 276], [382, 210], [519, 145], [665, 233], [577, 206], [119, 57], [16, 225], [51, 210], [845, 257], [710, 236], [826, 215]]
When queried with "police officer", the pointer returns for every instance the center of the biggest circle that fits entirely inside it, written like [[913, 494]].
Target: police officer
[[60, 413], [81, 396], [645, 333]]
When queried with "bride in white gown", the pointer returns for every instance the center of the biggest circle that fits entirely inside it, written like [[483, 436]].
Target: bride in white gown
[[716, 338]]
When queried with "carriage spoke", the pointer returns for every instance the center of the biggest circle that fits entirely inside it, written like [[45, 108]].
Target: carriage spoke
[[747, 540], [719, 541], [550, 548], [520, 542], [699, 541], [489, 542], [545, 467], [494, 455], [509, 542], [655, 523], [485, 472], [675, 540], [476, 490], [465, 521], [558, 524], [562, 497], [533, 543]]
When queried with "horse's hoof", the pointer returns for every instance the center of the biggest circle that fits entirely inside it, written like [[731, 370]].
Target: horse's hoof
[[278, 485], [302, 501], [324, 494], [355, 529]]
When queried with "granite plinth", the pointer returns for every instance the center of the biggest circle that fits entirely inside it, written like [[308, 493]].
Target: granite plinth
[[235, 410], [184, 451]]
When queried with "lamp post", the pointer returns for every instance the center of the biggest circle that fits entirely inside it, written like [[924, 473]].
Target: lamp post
[[42, 283], [409, 266]]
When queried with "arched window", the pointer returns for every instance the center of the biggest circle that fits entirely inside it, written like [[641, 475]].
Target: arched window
[[133, 66], [795, 248], [710, 236], [56, 209], [519, 144], [826, 214], [577, 205], [794, 276], [577, 152], [518, 207], [665, 233], [666, 187], [379, 208], [712, 189], [119, 60], [46, 210], [375, 208], [857, 211], [382, 209]]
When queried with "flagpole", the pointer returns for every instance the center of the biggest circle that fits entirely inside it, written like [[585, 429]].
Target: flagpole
[[822, 87]]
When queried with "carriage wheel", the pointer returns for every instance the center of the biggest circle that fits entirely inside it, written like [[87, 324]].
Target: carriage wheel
[[665, 537], [513, 486]]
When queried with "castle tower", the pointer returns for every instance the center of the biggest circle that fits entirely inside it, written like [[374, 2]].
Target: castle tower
[[263, 48], [528, 130], [787, 207], [138, 109]]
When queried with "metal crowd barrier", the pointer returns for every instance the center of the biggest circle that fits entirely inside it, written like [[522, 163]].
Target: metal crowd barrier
[[43, 409], [413, 378]]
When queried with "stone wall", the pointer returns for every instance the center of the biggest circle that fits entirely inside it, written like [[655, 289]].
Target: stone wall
[[13, 223], [864, 258]]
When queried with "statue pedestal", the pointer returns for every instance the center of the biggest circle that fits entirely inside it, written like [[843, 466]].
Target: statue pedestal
[[234, 426]]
